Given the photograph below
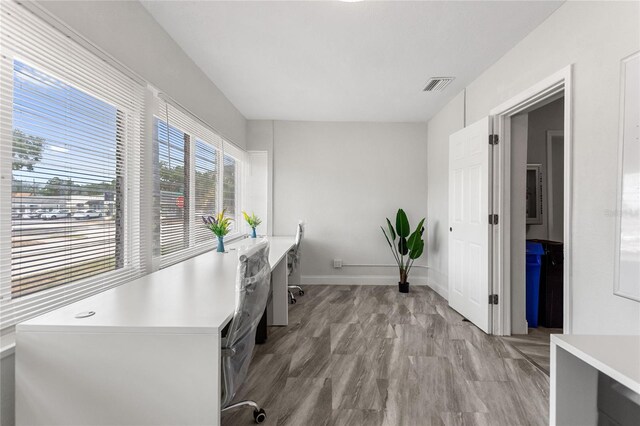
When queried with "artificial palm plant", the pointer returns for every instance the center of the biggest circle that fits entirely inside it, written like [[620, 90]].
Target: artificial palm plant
[[409, 247]]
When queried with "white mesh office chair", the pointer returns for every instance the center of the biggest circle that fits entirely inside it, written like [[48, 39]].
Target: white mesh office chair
[[293, 261], [252, 291]]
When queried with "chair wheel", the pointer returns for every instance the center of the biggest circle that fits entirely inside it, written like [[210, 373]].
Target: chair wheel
[[259, 415], [301, 292], [293, 300]]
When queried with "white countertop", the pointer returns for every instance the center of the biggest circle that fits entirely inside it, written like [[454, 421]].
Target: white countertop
[[616, 356], [194, 296], [279, 247]]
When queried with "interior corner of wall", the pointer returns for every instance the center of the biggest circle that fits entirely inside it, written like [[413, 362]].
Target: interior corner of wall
[[438, 282]]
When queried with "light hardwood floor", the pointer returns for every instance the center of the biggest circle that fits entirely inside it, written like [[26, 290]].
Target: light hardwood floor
[[368, 355], [535, 346]]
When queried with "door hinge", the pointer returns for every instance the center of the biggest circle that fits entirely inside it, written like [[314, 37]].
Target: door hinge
[[493, 219], [493, 139], [493, 299]]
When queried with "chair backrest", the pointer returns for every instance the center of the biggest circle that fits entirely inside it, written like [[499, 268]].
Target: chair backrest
[[294, 254], [299, 236], [252, 291]]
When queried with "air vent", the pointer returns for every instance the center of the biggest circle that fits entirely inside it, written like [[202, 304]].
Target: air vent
[[437, 84]]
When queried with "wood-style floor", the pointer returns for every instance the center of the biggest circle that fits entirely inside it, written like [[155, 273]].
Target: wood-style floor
[[535, 346], [368, 355]]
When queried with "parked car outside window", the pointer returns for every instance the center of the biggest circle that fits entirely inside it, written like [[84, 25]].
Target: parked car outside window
[[87, 214], [56, 214]]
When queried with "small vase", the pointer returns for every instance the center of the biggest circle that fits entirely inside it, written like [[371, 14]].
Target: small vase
[[220, 245], [403, 287], [253, 233]]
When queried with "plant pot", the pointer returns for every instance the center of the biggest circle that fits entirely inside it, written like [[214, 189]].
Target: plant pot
[[220, 245], [253, 233], [403, 287]]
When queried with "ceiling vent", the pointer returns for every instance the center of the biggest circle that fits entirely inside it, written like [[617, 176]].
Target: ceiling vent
[[437, 84]]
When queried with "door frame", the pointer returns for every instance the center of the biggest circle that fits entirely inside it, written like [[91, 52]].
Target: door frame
[[551, 88]]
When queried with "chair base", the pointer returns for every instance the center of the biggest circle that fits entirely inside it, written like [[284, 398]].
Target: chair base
[[259, 415]]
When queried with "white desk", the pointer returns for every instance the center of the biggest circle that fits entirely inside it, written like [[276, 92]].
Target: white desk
[[575, 363], [149, 356]]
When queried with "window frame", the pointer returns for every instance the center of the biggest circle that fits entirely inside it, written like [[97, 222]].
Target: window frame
[[58, 52], [193, 130], [95, 73], [65, 293]]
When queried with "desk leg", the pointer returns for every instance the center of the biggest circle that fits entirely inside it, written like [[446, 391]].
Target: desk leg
[[261, 331], [573, 395], [278, 310]]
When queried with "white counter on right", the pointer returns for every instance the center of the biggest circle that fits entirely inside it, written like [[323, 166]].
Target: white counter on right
[[575, 363]]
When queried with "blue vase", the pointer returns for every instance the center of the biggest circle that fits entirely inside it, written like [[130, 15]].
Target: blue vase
[[220, 245], [253, 233]]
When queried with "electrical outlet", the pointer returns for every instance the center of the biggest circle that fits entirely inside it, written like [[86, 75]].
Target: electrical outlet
[[337, 263]]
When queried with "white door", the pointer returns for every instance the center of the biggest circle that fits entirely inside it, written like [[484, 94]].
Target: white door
[[469, 247]]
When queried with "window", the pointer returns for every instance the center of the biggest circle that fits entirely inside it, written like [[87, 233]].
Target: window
[[70, 147], [72, 171], [173, 147], [229, 190], [206, 186], [193, 179], [66, 146]]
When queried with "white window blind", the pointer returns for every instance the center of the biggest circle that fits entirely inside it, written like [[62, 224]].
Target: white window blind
[[173, 151], [188, 175], [71, 169], [229, 190], [206, 187]]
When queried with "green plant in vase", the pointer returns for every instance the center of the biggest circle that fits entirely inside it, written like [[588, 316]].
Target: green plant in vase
[[409, 247], [220, 226], [253, 221]]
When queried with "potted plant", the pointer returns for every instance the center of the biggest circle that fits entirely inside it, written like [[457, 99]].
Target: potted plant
[[410, 246], [253, 221], [220, 226]]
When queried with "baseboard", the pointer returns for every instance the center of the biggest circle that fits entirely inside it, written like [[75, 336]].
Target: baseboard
[[358, 280], [435, 280], [441, 290]]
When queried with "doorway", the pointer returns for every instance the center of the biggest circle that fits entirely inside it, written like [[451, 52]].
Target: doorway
[[480, 188], [537, 212]]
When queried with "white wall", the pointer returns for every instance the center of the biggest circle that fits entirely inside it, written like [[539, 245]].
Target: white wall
[[126, 31], [541, 120], [447, 121], [260, 138], [7, 393], [343, 179], [594, 36], [256, 180]]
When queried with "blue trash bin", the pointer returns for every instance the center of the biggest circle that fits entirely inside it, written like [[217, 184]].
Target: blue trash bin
[[534, 263]]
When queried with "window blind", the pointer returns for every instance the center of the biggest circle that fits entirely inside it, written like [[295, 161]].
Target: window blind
[[229, 190], [71, 131], [188, 170], [206, 187]]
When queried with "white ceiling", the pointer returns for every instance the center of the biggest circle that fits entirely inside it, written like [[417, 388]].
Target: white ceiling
[[337, 61]]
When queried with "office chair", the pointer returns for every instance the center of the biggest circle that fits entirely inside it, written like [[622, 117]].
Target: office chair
[[252, 291], [293, 259]]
